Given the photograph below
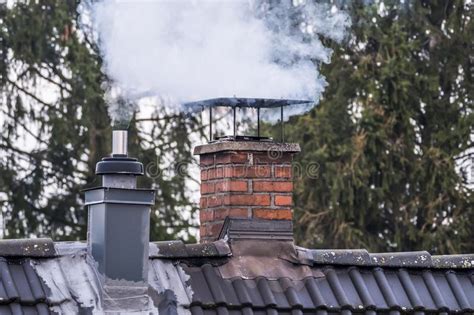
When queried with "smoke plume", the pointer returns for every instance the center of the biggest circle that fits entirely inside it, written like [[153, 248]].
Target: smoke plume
[[187, 50]]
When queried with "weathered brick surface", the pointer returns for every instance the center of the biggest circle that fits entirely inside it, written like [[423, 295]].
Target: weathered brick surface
[[221, 214], [215, 228], [272, 158], [203, 175], [203, 203], [272, 186], [206, 160], [207, 188], [272, 214], [215, 173], [217, 200], [202, 232], [245, 171], [206, 215], [249, 200], [233, 158], [210, 231], [244, 185], [231, 185], [284, 200], [282, 171]]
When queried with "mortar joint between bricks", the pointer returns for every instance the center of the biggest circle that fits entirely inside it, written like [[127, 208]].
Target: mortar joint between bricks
[[244, 193], [208, 166]]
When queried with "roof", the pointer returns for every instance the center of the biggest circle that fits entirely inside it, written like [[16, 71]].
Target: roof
[[241, 276]]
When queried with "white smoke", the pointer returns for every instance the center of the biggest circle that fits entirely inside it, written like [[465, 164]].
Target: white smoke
[[185, 50]]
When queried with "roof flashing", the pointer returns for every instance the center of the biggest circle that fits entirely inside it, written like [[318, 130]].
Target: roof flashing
[[280, 230], [177, 250]]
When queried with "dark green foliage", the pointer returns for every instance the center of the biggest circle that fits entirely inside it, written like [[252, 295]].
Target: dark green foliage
[[55, 127], [396, 121]]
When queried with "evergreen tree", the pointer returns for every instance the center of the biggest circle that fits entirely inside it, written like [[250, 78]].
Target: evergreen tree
[[396, 120], [55, 128]]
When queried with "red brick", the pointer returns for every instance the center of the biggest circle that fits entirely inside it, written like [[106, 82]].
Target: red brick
[[270, 158], [216, 201], [215, 228], [202, 231], [272, 214], [249, 200], [203, 175], [221, 214], [260, 171], [203, 203], [206, 160], [211, 173], [232, 158], [272, 186], [231, 185], [207, 188], [219, 172], [283, 171], [283, 200], [238, 212], [210, 231], [215, 173], [206, 215]]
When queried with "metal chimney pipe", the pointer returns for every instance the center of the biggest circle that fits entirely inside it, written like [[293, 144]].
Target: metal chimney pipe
[[119, 228], [119, 142]]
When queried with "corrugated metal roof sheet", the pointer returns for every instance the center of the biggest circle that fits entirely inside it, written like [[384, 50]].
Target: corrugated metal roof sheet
[[65, 283]]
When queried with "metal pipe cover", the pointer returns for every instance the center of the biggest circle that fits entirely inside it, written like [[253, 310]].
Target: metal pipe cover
[[119, 142]]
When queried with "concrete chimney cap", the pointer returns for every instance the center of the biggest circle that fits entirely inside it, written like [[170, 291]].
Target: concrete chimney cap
[[254, 146]]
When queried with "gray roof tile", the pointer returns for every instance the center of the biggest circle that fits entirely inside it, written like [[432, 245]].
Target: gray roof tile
[[349, 289], [361, 257], [186, 280]]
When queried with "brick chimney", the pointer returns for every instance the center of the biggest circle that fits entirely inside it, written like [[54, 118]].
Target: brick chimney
[[244, 179]]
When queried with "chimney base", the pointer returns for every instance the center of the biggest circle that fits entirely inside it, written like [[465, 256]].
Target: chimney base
[[118, 235]]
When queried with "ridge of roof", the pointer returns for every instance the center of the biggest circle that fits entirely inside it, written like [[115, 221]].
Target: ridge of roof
[[178, 249], [33, 247], [415, 259], [46, 248]]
